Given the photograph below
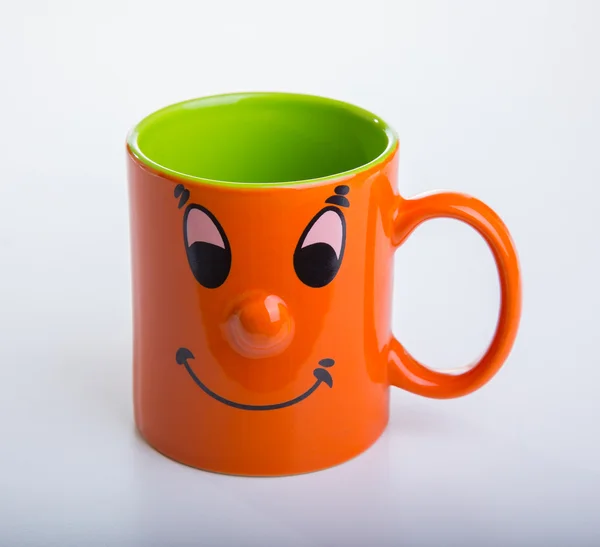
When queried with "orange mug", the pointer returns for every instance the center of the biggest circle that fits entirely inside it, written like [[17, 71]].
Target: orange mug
[[263, 231]]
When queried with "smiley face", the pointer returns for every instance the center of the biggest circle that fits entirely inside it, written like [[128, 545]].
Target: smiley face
[[261, 326]]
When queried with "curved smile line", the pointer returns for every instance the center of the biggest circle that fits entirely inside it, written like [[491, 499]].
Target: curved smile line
[[322, 376]]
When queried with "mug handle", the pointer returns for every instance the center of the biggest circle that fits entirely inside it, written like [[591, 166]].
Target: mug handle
[[404, 370]]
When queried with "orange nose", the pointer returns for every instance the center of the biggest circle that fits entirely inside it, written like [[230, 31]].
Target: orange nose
[[261, 326]]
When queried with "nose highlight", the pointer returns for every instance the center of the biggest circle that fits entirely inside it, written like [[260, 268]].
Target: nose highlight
[[261, 326]]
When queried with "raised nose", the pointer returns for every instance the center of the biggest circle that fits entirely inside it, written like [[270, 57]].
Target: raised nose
[[260, 326]]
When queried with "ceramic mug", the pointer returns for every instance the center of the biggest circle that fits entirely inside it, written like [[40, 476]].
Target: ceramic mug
[[263, 231]]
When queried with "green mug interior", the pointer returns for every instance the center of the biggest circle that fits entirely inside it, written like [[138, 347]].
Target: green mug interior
[[261, 138]]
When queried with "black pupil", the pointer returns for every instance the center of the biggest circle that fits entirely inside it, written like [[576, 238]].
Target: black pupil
[[316, 264], [210, 264]]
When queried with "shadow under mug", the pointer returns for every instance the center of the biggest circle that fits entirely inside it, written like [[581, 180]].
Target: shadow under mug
[[263, 230]]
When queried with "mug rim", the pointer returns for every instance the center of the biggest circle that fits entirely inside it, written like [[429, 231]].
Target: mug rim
[[227, 98]]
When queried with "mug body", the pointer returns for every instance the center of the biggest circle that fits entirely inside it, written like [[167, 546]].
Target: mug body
[[261, 229]]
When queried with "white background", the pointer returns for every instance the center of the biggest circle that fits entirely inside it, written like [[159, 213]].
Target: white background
[[497, 99]]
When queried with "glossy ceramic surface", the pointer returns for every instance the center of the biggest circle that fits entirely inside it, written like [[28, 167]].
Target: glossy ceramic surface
[[262, 341]]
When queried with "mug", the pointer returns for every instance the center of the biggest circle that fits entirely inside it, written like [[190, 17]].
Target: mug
[[263, 230]]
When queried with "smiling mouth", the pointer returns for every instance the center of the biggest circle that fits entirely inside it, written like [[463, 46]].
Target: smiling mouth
[[322, 376]]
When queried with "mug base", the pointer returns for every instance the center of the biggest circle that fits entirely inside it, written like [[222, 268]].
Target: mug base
[[334, 462]]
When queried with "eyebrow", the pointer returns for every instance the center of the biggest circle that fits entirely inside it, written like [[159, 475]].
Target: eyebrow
[[340, 196], [182, 193]]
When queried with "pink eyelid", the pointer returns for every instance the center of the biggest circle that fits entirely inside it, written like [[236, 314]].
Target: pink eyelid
[[201, 228], [327, 229]]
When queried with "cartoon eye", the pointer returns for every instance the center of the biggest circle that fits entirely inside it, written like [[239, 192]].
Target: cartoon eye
[[319, 252], [207, 248]]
